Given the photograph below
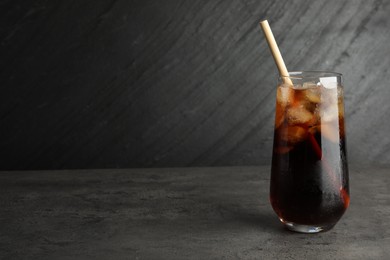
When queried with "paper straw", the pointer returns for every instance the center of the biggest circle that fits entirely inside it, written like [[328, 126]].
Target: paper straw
[[275, 52]]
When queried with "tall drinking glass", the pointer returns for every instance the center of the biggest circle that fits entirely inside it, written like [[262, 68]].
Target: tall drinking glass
[[309, 175]]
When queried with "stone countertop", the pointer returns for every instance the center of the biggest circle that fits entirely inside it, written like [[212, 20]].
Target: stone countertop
[[178, 213]]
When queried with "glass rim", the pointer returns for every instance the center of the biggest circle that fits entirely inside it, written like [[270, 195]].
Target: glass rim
[[305, 74]]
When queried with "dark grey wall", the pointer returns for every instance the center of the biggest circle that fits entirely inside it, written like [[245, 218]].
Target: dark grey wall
[[90, 84]]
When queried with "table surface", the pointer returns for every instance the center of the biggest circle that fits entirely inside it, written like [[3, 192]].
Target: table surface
[[179, 213]]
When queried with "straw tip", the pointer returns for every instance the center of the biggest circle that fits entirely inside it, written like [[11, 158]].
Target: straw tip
[[263, 21]]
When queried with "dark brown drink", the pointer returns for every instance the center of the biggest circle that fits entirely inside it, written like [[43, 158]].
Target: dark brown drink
[[309, 176]]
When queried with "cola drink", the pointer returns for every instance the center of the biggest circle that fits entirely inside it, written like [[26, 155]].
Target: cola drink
[[309, 174]]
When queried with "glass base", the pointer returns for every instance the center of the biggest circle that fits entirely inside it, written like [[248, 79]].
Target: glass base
[[305, 228]]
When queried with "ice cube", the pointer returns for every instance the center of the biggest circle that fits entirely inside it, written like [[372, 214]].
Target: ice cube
[[284, 95], [308, 85], [293, 134], [313, 95], [316, 117], [298, 115]]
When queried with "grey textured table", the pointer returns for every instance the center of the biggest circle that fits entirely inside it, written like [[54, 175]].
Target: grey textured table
[[182, 213]]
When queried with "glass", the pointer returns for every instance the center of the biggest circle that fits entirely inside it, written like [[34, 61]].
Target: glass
[[309, 174]]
